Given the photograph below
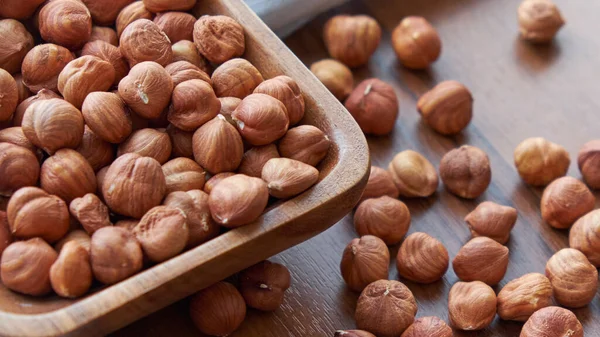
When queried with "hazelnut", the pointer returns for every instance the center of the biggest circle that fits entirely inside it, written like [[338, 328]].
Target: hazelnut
[[183, 174], [83, 76], [413, 174], [236, 78], [539, 20], [53, 124], [128, 224], [305, 143], [214, 180], [100, 180], [115, 254], [142, 40], [65, 22], [193, 103], [177, 25], [219, 38], [169, 5], [218, 310], [471, 305], [286, 177], [380, 183], [109, 53], [15, 135], [181, 142], [364, 261], [22, 107], [42, 65], [218, 146], [374, 106], [466, 171], [25, 266], [5, 235], [285, 89], [182, 71], [162, 232], [91, 212], [384, 217], [481, 259], [68, 175], [352, 39], [96, 151], [194, 204], [16, 43], [540, 161], [353, 333], [574, 279], [585, 236], [19, 167], [105, 34], [386, 308], [71, 273], [22, 90], [10, 95], [564, 201], [105, 12], [447, 108], [107, 116], [34, 213], [130, 13], [428, 327], [185, 50], [416, 43], [77, 236], [336, 77], [422, 259], [261, 119], [588, 161], [523, 296], [253, 160], [228, 105], [133, 185], [147, 143], [492, 220], [264, 284], [552, 322], [147, 89], [18, 9], [238, 200]]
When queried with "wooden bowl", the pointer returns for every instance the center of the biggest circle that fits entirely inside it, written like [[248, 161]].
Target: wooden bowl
[[344, 173]]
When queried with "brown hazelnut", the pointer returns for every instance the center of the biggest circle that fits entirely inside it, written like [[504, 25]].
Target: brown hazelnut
[[236, 78], [147, 89], [128, 224], [353, 333], [42, 65], [17, 9], [147, 143], [374, 106], [19, 167], [214, 180], [523, 296], [386, 308], [105, 34], [552, 322], [169, 5], [264, 284], [431, 326], [22, 107], [422, 259], [71, 273], [253, 160], [364, 261], [352, 39], [193, 103], [162, 232], [564, 201], [194, 204], [25, 267], [285, 89], [78, 236], [131, 13], [413, 174], [181, 142], [183, 174], [336, 77], [540, 161], [219, 38], [16, 43], [22, 90], [5, 234], [133, 185], [539, 20], [177, 25], [115, 254], [68, 175], [380, 183], [492, 220], [261, 119], [10, 95], [238, 200], [481, 259], [15, 135], [104, 12], [109, 53], [384, 217], [34, 213], [182, 71], [574, 279], [218, 310], [585, 236], [185, 50], [83, 76], [286, 177], [447, 108], [588, 161], [305, 143], [65, 22], [107, 116], [416, 43], [91, 212], [466, 171], [218, 146], [471, 305], [143, 41], [96, 151], [100, 175]]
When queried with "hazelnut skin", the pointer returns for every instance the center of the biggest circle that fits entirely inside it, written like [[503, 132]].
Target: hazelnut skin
[[84, 75], [352, 39], [447, 108], [96, 151], [162, 233], [65, 22], [147, 89], [181, 142], [91, 212], [492, 220], [78, 236], [194, 204], [42, 65], [574, 279], [109, 53], [216, 179], [115, 254], [585, 236], [466, 171], [147, 142], [255, 159], [22, 90], [380, 183], [552, 322], [353, 333], [471, 305], [15, 135], [16, 42], [130, 13], [193, 103], [286, 177], [68, 175], [107, 116], [219, 38], [285, 89], [183, 174], [238, 200], [539, 20], [540, 161], [261, 119], [169, 5], [71, 273], [364, 261], [384, 217], [264, 284], [305, 143], [185, 50], [105, 12], [523, 296], [10, 95], [336, 77], [236, 78], [182, 71], [22, 107], [416, 43], [564, 201], [177, 25], [218, 146], [19, 167], [5, 234], [142, 40], [218, 310], [422, 259], [105, 34], [481, 259], [374, 106], [428, 327], [413, 174], [588, 161], [17, 9]]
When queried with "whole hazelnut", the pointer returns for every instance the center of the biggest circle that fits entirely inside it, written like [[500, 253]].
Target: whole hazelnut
[[107, 116], [130, 13], [96, 151], [71, 273], [147, 89], [17, 9], [181, 142], [238, 200], [236, 78], [185, 50], [523, 296], [416, 43], [42, 65], [481, 259], [585, 236], [10, 95], [194, 204], [413, 174], [78, 236], [574, 279], [162, 232], [109, 53], [15, 135], [177, 25], [183, 174], [353, 333], [466, 171], [492, 220], [169, 5], [193, 103], [16, 43], [374, 106], [148, 142], [216, 179], [5, 235], [552, 322], [182, 71], [142, 40], [305, 143], [540, 161], [380, 183], [261, 119], [286, 177], [34, 213], [431, 326], [115, 254], [19, 167], [263, 285], [285, 89], [386, 308], [22, 107], [336, 77], [105, 12], [539, 20], [218, 310], [422, 259], [83, 76], [25, 266], [364, 261], [68, 175], [65, 22], [384, 217], [447, 108], [219, 38], [352, 39], [564, 201], [218, 146], [22, 90], [588, 161], [91, 212], [106, 34], [471, 305], [253, 160]]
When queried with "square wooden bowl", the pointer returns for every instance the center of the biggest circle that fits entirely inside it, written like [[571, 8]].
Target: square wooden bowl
[[343, 175]]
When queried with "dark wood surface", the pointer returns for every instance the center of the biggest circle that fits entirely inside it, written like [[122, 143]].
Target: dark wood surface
[[520, 91]]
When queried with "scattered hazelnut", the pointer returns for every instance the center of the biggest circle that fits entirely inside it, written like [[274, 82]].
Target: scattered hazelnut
[[217, 146], [413, 174], [374, 106], [177, 25], [142, 40], [238, 200], [130, 13], [107, 116], [183, 174], [25, 266], [386, 308], [352, 39], [261, 119], [10, 95], [91, 212], [552, 322], [218, 310], [5, 235], [147, 143], [481, 259], [19, 167], [574, 279], [68, 175], [471, 305], [447, 108], [588, 161], [466, 171], [431, 326], [65, 22], [182, 71], [115, 254], [285, 89], [422, 259], [305, 143], [169, 5], [416, 43], [539, 20], [16, 42], [585, 236], [193, 103], [105, 12], [336, 77], [15, 135], [22, 90], [214, 180], [523, 296], [105, 34], [181, 142], [364, 261], [109, 53], [286, 177], [22, 107], [83, 76], [219, 38], [162, 232], [384, 217], [253, 160], [78, 236], [263, 285], [492, 220], [353, 333], [71, 273], [96, 151], [147, 89], [540, 161], [194, 204], [42, 65], [236, 78], [564, 201], [185, 50], [18, 9], [380, 183]]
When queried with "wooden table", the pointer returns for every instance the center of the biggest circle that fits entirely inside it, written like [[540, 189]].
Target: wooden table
[[520, 91]]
